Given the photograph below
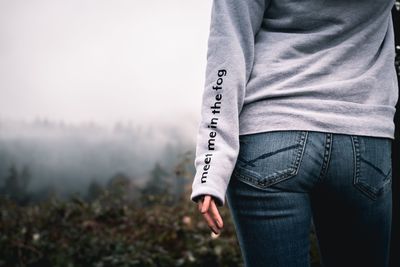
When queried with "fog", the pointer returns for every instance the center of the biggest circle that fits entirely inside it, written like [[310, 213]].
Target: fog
[[70, 156], [93, 88], [103, 61]]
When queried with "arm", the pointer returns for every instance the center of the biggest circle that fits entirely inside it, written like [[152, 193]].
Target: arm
[[230, 55]]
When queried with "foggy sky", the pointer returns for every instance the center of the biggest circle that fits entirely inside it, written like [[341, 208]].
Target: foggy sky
[[101, 60]]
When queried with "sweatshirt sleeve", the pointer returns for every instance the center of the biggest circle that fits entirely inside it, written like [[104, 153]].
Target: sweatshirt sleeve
[[230, 54]]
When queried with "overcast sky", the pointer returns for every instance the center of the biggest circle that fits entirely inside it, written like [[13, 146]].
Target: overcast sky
[[102, 60]]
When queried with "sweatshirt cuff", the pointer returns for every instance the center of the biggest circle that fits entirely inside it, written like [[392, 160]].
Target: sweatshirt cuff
[[218, 197]]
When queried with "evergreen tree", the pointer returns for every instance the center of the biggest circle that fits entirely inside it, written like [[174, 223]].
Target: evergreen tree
[[95, 189], [157, 183], [12, 183]]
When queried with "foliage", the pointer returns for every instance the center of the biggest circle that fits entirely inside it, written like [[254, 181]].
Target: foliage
[[109, 231]]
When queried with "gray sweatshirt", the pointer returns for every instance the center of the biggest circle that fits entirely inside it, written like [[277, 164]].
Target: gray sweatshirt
[[317, 65]]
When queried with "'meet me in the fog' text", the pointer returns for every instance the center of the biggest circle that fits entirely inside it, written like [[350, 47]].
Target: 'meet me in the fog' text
[[213, 125]]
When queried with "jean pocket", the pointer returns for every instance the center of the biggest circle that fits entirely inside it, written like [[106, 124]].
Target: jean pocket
[[266, 158], [373, 165]]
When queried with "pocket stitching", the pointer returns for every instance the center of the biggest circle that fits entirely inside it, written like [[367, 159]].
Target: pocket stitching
[[365, 188], [259, 181]]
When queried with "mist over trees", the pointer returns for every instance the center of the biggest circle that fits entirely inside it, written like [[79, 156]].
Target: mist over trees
[[44, 158]]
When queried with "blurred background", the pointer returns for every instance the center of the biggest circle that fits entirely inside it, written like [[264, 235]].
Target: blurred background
[[91, 89], [99, 108]]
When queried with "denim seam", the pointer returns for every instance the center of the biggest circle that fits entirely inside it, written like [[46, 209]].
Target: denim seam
[[363, 187], [327, 156], [356, 177], [303, 142]]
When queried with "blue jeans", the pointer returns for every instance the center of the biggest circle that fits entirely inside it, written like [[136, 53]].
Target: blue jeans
[[284, 182]]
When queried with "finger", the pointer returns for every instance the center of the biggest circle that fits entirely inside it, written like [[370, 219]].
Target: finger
[[216, 215], [200, 202], [211, 222], [206, 204]]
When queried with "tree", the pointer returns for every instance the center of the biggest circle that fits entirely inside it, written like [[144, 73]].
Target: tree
[[119, 186], [11, 184], [16, 184], [157, 188], [95, 189]]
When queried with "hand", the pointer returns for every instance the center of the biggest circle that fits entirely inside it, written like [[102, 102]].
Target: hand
[[210, 213]]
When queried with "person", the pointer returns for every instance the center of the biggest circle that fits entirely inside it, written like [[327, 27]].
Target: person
[[296, 129]]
